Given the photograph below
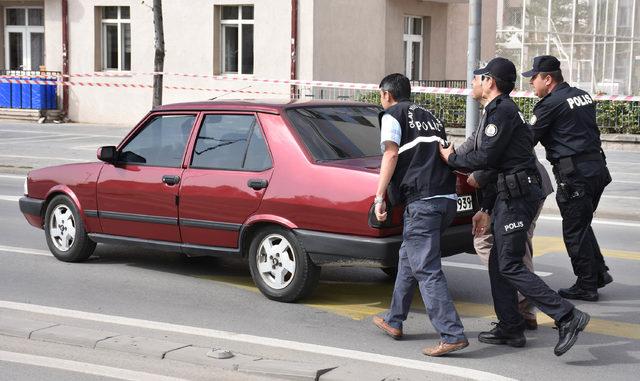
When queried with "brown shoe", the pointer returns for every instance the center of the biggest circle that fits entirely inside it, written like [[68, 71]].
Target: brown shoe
[[386, 328], [443, 348], [530, 322]]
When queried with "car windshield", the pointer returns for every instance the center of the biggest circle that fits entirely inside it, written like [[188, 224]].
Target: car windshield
[[338, 132]]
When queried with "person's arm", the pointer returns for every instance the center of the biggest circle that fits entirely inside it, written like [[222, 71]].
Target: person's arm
[[468, 144], [540, 122], [387, 167], [495, 138], [390, 136], [484, 177]]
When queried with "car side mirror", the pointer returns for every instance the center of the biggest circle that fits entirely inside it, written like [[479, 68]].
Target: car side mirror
[[107, 154]]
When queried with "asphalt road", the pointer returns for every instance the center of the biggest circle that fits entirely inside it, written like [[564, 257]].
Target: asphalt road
[[218, 293]]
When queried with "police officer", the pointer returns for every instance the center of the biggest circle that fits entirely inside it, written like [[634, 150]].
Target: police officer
[[507, 147], [564, 121]]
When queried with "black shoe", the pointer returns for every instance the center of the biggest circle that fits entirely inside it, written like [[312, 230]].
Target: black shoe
[[579, 293], [604, 278], [568, 331], [499, 335]]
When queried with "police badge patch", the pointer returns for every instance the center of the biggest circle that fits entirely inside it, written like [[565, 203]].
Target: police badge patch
[[491, 130], [533, 120]]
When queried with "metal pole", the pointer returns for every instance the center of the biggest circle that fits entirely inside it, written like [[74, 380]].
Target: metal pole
[[593, 49], [473, 58], [633, 39], [65, 58], [573, 33]]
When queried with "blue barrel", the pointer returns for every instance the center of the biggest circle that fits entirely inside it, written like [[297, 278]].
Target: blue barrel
[[26, 95], [5, 94], [16, 94]]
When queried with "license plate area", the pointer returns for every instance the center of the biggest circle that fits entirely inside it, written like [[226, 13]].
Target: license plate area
[[465, 203]]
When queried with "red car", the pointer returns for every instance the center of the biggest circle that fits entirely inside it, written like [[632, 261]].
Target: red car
[[288, 186]]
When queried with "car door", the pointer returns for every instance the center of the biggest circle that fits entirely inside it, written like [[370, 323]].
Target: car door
[[229, 171], [137, 195]]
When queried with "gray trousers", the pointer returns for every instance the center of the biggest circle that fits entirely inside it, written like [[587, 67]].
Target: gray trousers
[[419, 264]]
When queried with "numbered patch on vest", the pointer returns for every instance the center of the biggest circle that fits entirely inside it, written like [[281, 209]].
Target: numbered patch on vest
[[491, 130], [533, 120]]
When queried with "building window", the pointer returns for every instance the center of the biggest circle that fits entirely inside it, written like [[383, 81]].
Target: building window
[[24, 38], [116, 38], [413, 47], [236, 31]]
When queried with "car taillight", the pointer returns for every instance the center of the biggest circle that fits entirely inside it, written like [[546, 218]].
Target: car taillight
[[461, 185]]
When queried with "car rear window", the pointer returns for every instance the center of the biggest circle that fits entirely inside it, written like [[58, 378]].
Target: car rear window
[[338, 132]]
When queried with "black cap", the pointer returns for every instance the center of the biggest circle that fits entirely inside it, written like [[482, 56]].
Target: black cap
[[543, 64], [500, 68]]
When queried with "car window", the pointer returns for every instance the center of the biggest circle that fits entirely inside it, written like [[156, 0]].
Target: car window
[[223, 140], [160, 143], [339, 132], [257, 157]]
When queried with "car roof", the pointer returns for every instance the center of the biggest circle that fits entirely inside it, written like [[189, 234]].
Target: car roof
[[272, 106]]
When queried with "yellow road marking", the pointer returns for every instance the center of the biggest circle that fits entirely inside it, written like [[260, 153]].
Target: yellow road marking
[[549, 245], [359, 301]]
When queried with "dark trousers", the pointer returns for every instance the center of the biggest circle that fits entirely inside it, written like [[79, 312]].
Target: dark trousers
[[577, 211], [507, 271]]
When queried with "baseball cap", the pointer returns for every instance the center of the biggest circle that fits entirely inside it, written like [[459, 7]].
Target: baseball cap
[[500, 68], [543, 64]]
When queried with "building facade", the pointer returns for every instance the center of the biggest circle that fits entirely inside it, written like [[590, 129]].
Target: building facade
[[337, 40]]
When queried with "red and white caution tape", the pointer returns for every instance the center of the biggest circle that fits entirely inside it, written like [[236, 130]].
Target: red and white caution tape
[[58, 81], [297, 82]]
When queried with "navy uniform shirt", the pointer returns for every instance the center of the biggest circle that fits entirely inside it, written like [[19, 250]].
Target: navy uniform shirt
[[506, 144], [564, 121]]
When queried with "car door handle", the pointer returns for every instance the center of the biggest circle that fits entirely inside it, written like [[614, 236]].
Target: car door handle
[[257, 184], [170, 179]]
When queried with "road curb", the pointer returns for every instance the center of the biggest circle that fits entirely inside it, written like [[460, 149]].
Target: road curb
[[159, 349], [64, 334]]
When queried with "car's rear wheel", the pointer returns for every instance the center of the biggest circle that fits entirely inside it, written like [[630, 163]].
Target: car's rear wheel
[[280, 266], [66, 236], [392, 272]]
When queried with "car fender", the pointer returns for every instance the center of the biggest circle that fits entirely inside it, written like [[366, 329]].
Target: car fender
[[269, 218], [63, 189]]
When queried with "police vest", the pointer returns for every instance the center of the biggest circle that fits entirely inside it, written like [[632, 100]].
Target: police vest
[[420, 172]]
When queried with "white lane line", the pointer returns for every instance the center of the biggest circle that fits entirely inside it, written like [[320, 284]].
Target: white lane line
[[596, 221], [45, 158], [61, 133], [624, 173], [17, 177], [425, 365], [624, 182], [54, 138], [622, 197], [82, 367], [24, 250], [484, 268], [27, 139], [10, 198], [622, 162]]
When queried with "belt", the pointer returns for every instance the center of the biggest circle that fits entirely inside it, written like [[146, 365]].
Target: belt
[[581, 157]]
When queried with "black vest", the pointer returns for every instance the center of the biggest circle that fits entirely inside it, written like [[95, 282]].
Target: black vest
[[420, 172]]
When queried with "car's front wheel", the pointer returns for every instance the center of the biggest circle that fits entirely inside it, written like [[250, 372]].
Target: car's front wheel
[[280, 266], [65, 232]]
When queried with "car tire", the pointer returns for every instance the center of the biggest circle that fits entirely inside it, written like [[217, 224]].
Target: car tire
[[280, 266], [65, 233], [392, 272]]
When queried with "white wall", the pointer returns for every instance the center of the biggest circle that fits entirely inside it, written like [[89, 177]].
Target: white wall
[[189, 41]]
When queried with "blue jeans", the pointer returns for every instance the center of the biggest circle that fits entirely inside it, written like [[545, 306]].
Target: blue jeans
[[420, 264]]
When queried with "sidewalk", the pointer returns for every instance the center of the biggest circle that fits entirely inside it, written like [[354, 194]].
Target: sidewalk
[[253, 362]]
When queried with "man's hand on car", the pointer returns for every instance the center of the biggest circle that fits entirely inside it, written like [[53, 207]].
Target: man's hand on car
[[445, 152], [472, 181], [381, 211], [481, 223]]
